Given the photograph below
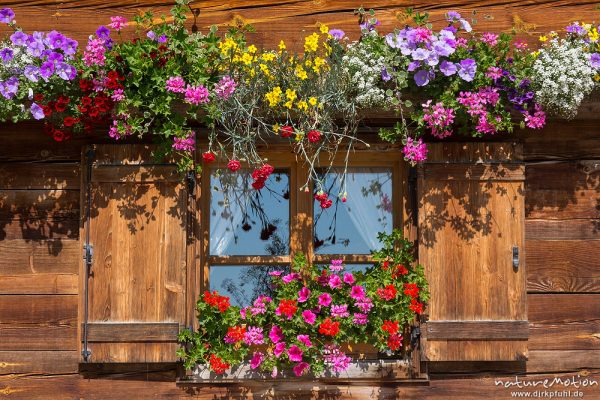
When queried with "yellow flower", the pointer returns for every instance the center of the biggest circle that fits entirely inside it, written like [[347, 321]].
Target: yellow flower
[[274, 96], [543, 38], [265, 69], [268, 57], [300, 72], [302, 105], [252, 73], [324, 28], [311, 43], [299, 136], [247, 58], [276, 128], [281, 45], [553, 34], [289, 104], [535, 54], [291, 94], [319, 62], [308, 63], [312, 101], [327, 48], [252, 49], [227, 45], [593, 34], [597, 77]]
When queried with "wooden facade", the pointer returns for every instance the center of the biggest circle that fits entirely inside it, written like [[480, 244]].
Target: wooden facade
[[539, 190]]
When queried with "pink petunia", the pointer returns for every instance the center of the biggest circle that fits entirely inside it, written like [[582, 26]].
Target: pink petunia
[[348, 278], [279, 349], [300, 368], [325, 299], [257, 359], [295, 353], [305, 340], [357, 292], [303, 294], [309, 317], [276, 334], [335, 282]]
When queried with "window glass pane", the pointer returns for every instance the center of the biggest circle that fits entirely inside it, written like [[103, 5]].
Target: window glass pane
[[352, 227], [244, 283], [244, 221]]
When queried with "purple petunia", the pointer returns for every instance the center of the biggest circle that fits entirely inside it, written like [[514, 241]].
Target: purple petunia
[[36, 111], [46, 70], [35, 48], [413, 66], [452, 16], [595, 60], [66, 71], [56, 40], [162, 39], [337, 34], [7, 15], [32, 73], [70, 47], [6, 54], [422, 77], [467, 69], [55, 57], [9, 88], [151, 35], [18, 38], [448, 68], [385, 75], [103, 32]]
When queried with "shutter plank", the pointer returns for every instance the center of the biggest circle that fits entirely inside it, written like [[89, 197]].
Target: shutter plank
[[477, 330], [133, 332]]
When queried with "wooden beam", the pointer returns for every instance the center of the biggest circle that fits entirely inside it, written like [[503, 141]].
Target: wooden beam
[[476, 330], [570, 229], [132, 332], [136, 174], [470, 172]]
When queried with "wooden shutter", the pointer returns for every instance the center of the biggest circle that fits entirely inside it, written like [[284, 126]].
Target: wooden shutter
[[137, 282], [471, 217]]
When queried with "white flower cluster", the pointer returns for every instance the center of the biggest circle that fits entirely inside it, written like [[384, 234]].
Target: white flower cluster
[[562, 76], [364, 74], [16, 63]]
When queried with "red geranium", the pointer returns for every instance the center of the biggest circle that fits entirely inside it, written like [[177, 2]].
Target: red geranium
[[400, 270], [69, 121], [38, 97], [208, 157], [86, 101], [233, 165], [235, 333], [416, 306], [322, 198], [329, 328], [287, 308], [388, 293], [394, 342], [261, 175], [314, 136], [218, 365], [390, 327], [411, 289], [215, 300], [286, 131], [47, 110]]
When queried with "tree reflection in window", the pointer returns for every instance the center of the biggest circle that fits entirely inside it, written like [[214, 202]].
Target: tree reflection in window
[[352, 227], [243, 284], [244, 221]]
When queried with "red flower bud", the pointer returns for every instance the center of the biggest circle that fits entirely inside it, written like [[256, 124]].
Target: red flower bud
[[314, 136], [208, 157], [233, 165], [286, 131]]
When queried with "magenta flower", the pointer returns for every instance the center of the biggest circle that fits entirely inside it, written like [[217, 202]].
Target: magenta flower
[[348, 278], [257, 359], [275, 273], [253, 335], [494, 73], [196, 94], [365, 304], [243, 313], [537, 120], [335, 282], [94, 53], [357, 292], [305, 340], [118, 95], [225, 87], [276, 334], [303, 294], [340, 311], [325, 299], [291, 277], [360, 319], [279, 349], [309, 317], [118, 23], [294, 353], [414, 151], [336, 265], [300, 368], [175, 84], [490, 39], [187, 143]]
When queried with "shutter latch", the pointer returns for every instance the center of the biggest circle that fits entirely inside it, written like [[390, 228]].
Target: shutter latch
[[415, 335], [190, 177], [88, 256], [515, 258]]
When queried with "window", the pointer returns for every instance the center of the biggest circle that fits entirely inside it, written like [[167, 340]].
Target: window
[[249, 233]]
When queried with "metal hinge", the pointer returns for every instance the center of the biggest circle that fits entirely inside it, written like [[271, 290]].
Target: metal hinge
[[190, 178], [415, 335], [515, 257], [88, 255]]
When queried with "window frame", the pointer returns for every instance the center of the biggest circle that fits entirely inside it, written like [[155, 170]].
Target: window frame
[[301, 208]]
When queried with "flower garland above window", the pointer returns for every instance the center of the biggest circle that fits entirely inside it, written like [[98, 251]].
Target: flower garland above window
[[168, 81]]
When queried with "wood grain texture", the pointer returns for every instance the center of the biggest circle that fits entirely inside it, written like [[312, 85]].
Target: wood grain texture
[[476, 330], [467, 231], [39, 284], [38, 309], [275, 20], [477, 172], [27, 257], [555, 142], [31, 337], [38, 362], [545, 361], [133, 332], [562, 266], [570, 229], [35, 176]]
